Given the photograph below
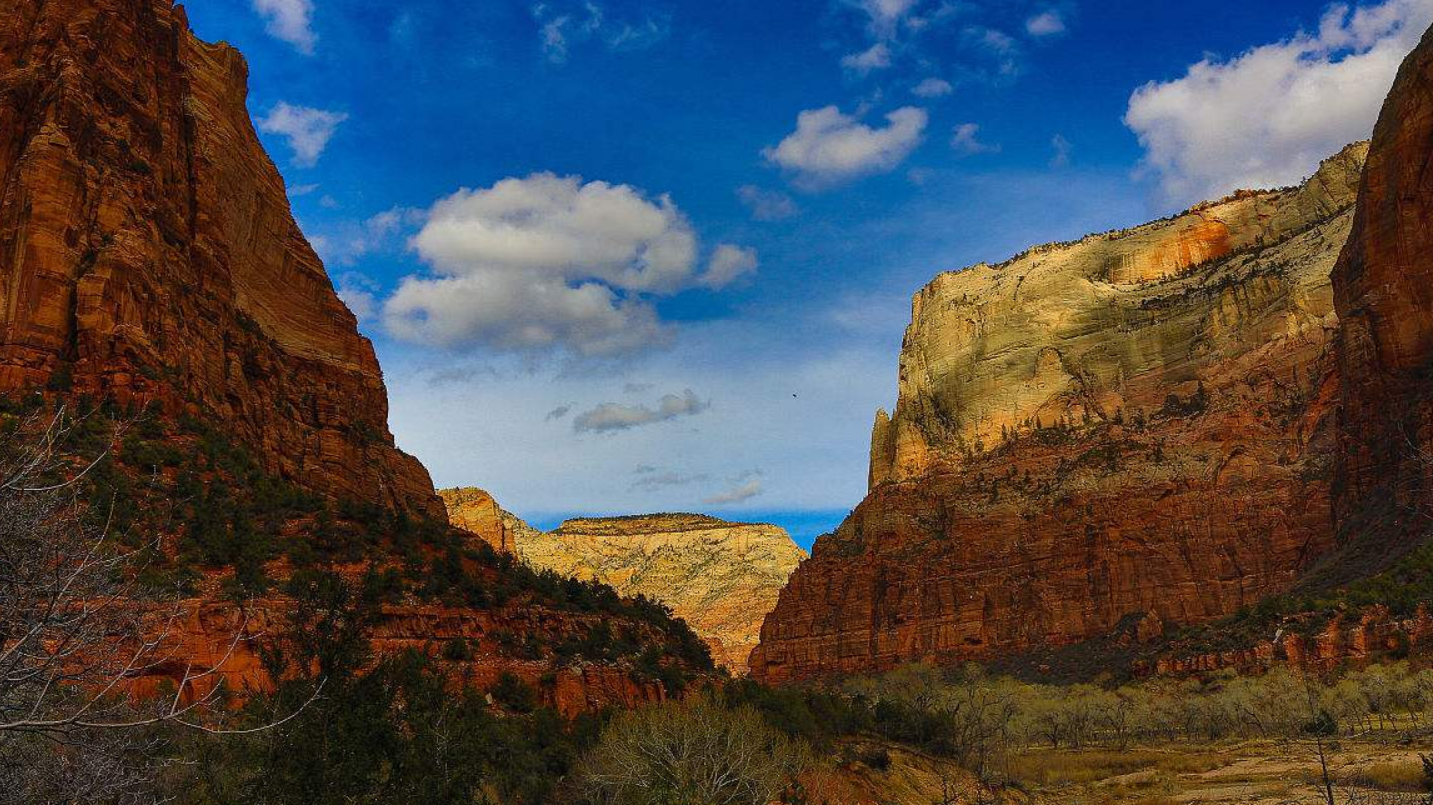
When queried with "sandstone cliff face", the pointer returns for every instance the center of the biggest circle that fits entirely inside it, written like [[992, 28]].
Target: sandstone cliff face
[[204, 640], [475, 511], [720, 577], [1137, 423], [148, 256], [147, 251], [1383, 288]]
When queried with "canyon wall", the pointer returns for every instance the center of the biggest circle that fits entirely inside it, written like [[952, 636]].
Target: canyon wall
[[720, 577], [1141, 423], [148, 254], [148, 257], [1383, 289]]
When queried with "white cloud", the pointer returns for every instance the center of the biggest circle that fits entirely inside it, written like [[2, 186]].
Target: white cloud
[[346, 242], [744, 487], [1049, 23], [1063, 147], [1268, 116], [307, 130], [966, 141], [932, 88], [767, 205], [546, 263], [885, 15], [829, 147], [609, 417], [876, 57], [298, 191], [651, 479], [563, 24], [290, 21], [359, 292], [728, 264]]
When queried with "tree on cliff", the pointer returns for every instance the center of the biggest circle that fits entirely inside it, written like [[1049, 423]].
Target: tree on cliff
[[77, 635]]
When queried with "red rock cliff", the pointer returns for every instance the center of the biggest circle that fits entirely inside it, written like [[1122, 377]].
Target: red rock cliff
[[1137, 423], [147, 250], [1383, 287]]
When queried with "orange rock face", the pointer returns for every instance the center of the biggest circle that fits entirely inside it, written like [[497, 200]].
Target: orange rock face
[[1384, 291], [1134, 428], [219, 643], [147, 251], [148, 255], [478, 513]]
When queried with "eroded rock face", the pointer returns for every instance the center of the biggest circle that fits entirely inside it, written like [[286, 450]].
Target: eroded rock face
[[475, 511], [1139, 425], [720, 577], [1383, 289], [147, 251], [203, 643]]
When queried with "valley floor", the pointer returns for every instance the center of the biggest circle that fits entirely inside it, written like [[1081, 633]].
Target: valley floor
[[1372, 770]]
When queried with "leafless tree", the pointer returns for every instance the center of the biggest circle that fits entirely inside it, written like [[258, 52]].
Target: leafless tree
[[76, 634], [696, 752]]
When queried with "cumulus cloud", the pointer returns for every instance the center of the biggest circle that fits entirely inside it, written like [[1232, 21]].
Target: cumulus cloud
[[728, 264], [932, 88], [1049, 23], [744, 487], [563, 24], [1267, 117], [876, 57], [767, 205], [829, 147], [546, 262], [610, 417], [307, 130], [290, 21], [965, 140]]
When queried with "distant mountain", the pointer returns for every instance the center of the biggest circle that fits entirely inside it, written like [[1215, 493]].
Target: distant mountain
[[720, 577]]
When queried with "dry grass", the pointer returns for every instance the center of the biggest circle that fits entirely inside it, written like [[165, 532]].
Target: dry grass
[[1397, 776], [1048, 768]]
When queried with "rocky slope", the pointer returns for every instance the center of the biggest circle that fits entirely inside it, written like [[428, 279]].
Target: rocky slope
[[720, 577], [1138, 424], [149, 261], [149, 253]]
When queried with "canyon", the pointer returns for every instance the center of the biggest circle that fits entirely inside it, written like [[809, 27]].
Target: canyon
[[1141, 427], [720, 577], [1140, 423], [153, 273], [1152, 429]]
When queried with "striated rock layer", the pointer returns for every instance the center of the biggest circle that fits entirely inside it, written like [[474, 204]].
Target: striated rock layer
[[478, 513], [1383, 288], [720, 577], [205, 639], [148, 256], [1138, 426], [147, 251]]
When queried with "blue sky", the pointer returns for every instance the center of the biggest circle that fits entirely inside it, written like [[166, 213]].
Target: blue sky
[[623, 256]]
